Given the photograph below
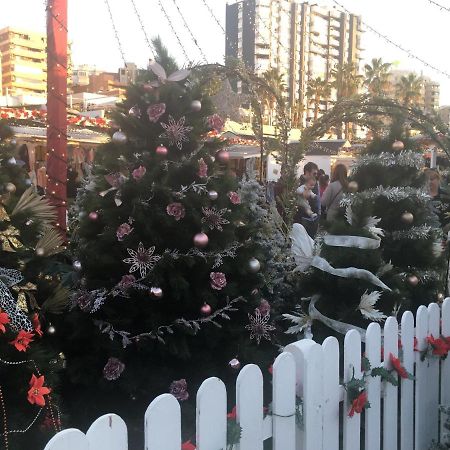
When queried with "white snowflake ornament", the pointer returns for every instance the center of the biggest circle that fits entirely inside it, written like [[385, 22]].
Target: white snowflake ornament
[[142, 259]]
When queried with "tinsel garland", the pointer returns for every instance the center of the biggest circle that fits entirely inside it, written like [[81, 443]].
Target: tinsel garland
[[421, 232], [393, 194], [424, 276], [406, 158]]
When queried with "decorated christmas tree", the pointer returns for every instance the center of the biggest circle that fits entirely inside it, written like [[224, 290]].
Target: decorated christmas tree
[[170, 283], [382, 255], [29, 297]]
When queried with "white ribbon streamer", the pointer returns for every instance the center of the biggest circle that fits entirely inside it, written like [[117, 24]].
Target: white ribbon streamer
[[351, 241]]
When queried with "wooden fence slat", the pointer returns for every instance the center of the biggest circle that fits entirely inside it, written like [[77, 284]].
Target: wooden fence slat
[[331, 393], [373, 414], [407, 386], [284, 404], [108, 432], [390, 394], [432, 398], [70, 439], [421, 380], [212, 415], [298, 350], [352, 365], [163, 424], [445, 364], [249, 407]]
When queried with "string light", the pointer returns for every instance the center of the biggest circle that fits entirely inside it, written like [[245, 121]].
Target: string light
[[398, 46], [173, 29], [116, 33], [189, 31], [150, 45], [5, 422], [441, 7]]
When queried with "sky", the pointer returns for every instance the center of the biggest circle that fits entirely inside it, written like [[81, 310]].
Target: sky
[[416, 25]]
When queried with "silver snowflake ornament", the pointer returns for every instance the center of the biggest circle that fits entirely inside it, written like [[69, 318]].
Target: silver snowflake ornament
[[142, 259], [176, 132], [259, 326], [213, 218]]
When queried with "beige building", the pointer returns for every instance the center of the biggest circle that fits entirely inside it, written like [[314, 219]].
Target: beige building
[[302, 41], [23, 62]]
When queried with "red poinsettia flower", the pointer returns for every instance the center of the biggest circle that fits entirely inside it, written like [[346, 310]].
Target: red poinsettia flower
[[270, 369], [416, 343], [440, 347], [397, 365], [188, 445], [22, 340], [37, 391], [4, 319], [36, 324], [358, 404], [232, 415]]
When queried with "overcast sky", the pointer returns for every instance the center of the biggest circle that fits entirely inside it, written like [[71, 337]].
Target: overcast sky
[[417, 25]]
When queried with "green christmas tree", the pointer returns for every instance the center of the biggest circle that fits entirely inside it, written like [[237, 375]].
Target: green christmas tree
[[382, 255], [171, 283], [29, 297]]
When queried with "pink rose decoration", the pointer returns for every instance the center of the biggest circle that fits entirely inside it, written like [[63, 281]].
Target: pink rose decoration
[[202, 168], [218, 280], [127, 281], [139, 173], [234, 198], [176, 210], [115, 179], [215, 122], [178, 389], [123, 230], [156, 111], [264, 307]]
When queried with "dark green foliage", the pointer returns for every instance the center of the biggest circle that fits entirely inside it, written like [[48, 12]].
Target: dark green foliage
[[163, 339]]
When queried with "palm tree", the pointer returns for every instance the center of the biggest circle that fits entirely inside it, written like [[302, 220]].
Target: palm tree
[[377, 76], [316, 91], [272, 82], [409, 89]]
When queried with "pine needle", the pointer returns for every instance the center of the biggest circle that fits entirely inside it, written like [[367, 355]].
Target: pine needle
[[36, 206], [51, 242], [57, 303]]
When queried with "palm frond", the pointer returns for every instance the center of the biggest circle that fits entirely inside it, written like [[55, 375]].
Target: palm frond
[[36, 206], [57, 303], [51, 242]]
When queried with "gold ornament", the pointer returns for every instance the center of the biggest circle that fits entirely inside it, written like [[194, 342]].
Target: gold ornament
[[10, 187], [407, 217], [353, 186], [398, 145], [25, 292], [22, 302], [9, 240], [440, 297], [4, 217]]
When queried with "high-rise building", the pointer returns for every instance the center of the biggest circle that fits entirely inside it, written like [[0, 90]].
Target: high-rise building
[[23, 61], [302, 41], [81, 74]]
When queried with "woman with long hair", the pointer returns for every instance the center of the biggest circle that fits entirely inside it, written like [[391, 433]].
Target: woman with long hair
[[333, 193]]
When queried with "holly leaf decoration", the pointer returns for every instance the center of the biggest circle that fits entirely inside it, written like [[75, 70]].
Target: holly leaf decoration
[[354, 387], [386, 375], [365, 364], [234, 432]]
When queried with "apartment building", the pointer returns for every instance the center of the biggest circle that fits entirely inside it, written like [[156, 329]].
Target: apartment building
[[302, 41], [23, 62]]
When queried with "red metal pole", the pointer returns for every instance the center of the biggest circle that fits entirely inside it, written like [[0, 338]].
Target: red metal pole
[[56, 190]]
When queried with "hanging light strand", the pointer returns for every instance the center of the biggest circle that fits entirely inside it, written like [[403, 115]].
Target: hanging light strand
[[190, 31], [116, 33], [169, 20], [398, 46], [441, 7], [147, 40]]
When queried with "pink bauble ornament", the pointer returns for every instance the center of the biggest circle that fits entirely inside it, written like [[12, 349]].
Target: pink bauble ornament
[[235, 364], [156, 292], [201, 240], [161, 150], [93, 215], [413, 280], [398, 145], [206, 309], [222, 156]]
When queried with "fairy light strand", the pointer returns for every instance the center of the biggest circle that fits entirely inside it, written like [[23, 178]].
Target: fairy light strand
[[5, 421], [190, 31], [398, 46], [441, 7], [169, 20], [116, 33], [147, 40]]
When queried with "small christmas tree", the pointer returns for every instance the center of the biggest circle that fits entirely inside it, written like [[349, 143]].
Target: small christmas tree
[[383, 254], [29, 362], [169, 277]]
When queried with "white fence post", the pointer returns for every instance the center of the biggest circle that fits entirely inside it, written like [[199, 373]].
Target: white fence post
[[331, 393], [212, 415], [445, 365], [249, 407], [70, 439], [108, 432], [373, 414], [407, 386], [284, 403], [352, 365], [163, 424]]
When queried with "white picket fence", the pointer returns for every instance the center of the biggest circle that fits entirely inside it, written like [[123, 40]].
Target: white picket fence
[[410, 418]]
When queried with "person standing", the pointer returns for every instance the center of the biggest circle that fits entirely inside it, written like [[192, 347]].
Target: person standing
[[310, 222], [333, 194]]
